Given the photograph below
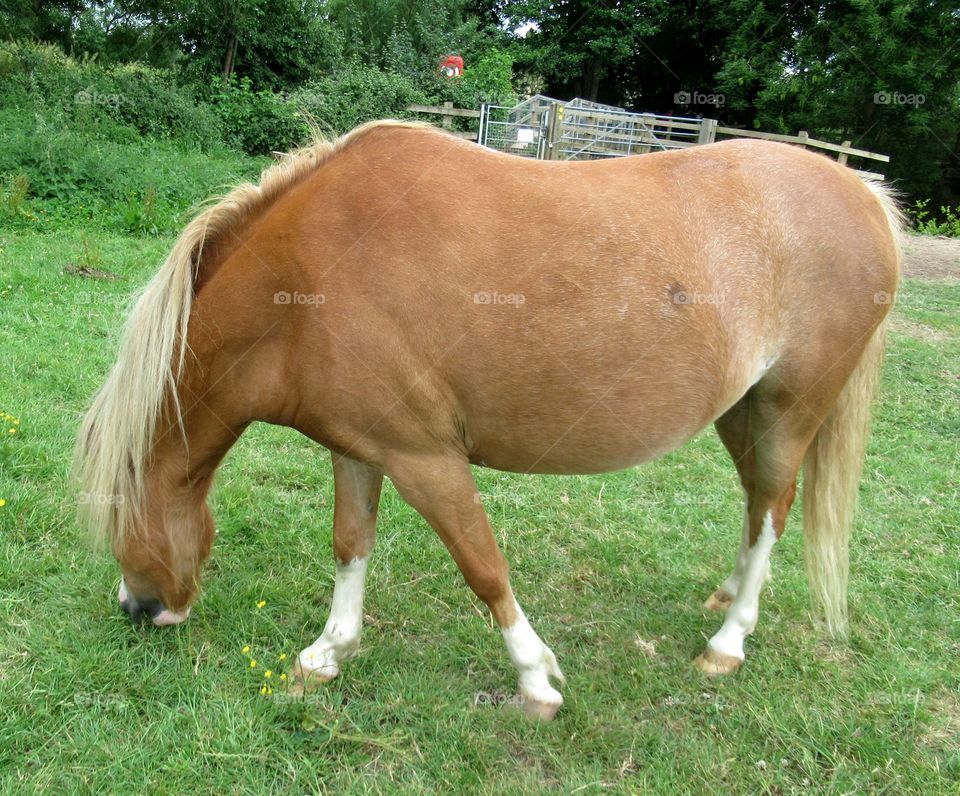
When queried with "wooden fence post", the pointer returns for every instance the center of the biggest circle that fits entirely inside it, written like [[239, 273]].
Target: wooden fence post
[[447, 119], [554, 131], [708, 131], [842, 157]]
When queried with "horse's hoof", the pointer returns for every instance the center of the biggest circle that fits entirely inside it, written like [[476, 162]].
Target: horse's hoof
[[300, 682], [718, 601], [714, 664], [543, 711]]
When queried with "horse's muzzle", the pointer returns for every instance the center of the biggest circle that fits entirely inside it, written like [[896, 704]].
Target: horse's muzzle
[[138, 609]]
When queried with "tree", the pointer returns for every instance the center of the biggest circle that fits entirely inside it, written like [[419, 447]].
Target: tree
[[276, 44], [410, 36], [579, 46], [33, 19], [884, 75]]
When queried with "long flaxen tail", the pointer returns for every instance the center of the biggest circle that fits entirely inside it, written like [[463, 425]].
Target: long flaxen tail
[[834, 462]]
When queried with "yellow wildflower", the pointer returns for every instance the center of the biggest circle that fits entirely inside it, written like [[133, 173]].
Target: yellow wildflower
[[246, 649], [261, 603], [253, 664], [283, 656], [283, 677], [2, 503], [268, 674]]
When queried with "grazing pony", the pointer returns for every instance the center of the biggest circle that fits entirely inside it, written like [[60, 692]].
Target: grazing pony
[[416, 304]]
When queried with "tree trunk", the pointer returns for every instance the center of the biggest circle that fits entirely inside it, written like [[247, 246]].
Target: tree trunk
[[591, 71], [230, 55]]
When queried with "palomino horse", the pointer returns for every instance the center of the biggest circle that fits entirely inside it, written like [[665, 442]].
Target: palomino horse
[[416, 303]]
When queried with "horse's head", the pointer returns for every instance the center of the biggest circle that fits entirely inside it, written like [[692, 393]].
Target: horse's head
[[162, 553], [148, 447]]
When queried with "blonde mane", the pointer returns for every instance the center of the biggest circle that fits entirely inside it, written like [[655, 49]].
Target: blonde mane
[[117, 435]]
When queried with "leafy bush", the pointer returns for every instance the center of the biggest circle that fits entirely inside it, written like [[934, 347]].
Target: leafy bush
[[14, 190], [489, 80], [256, 122], [126, 147], [120, 102], [926, 224], [54, 173], [121, 147], [357, 93]]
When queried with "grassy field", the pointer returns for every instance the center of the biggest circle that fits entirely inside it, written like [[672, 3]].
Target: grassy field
[[611, 569]]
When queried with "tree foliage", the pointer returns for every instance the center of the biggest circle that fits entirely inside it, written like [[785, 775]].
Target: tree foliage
[[883, 74]]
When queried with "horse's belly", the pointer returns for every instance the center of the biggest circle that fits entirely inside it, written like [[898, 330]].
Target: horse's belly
[[591, 439]]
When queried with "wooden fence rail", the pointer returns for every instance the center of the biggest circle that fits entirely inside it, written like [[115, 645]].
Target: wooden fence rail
[[447, 113], [610, 126], [843, 150]]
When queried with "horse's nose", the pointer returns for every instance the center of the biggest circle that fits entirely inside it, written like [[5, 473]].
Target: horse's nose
[[155, 610]]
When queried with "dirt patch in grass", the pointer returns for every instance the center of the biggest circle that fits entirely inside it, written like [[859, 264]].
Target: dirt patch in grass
[[918, 331], [944, 729], [931, 257], [542, 770]]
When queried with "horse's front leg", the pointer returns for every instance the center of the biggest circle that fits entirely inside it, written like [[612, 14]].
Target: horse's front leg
[[442, 489], [356, 498]]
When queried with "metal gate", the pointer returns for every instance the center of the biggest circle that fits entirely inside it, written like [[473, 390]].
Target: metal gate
[[581, 130], [520, 130]]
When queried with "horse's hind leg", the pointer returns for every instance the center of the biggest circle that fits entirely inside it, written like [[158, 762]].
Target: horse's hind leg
[[356, 497], [768, 437], [733, 428], [725, 593], [442, 489]]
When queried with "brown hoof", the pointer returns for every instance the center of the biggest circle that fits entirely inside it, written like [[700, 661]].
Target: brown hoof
[[718, 601], [714, 664], [543, 711], [300, 682]]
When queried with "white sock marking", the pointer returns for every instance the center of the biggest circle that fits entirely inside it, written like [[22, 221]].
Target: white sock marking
[[341, 635], [535, 662], [732, 584], [741, 616]]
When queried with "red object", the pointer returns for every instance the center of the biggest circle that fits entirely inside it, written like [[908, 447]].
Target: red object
[[452, 66]]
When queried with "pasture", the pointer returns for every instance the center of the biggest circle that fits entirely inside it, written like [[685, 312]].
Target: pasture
[[611, 569]]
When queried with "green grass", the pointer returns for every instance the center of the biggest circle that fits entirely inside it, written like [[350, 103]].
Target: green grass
[[91, 703]]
